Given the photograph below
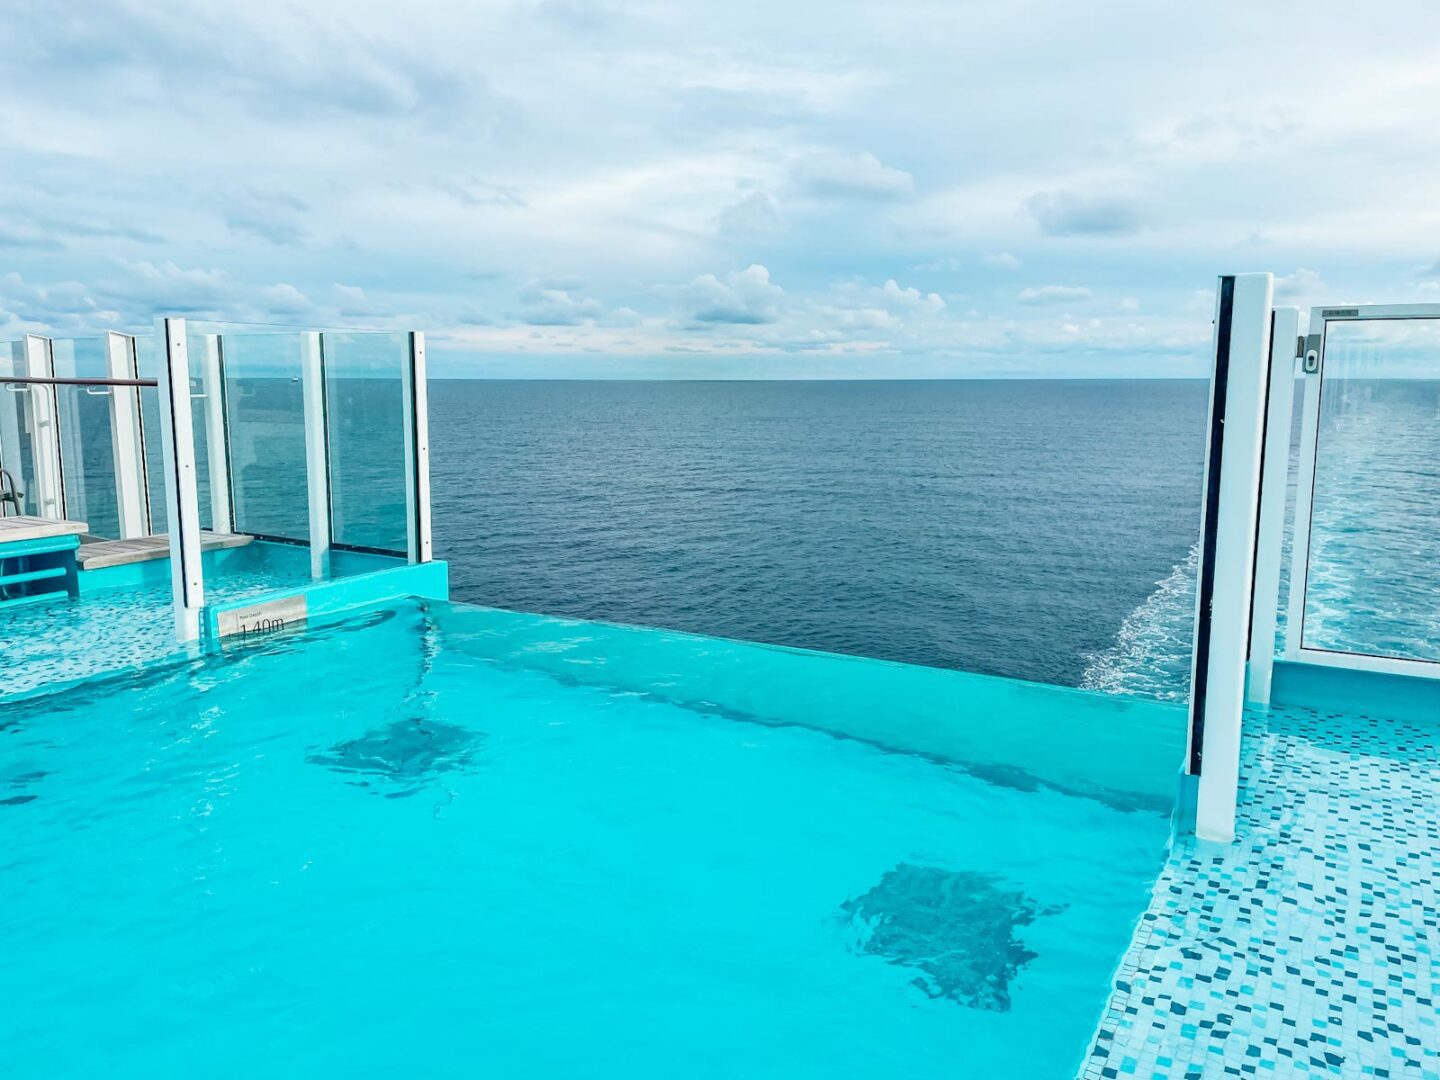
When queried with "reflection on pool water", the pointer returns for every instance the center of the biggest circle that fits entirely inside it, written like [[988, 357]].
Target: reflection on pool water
[[415, 841]]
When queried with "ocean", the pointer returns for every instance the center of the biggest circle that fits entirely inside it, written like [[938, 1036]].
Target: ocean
[[1041, 530]]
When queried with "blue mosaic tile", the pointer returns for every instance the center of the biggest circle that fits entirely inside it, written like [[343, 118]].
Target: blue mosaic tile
[[1307, 947]]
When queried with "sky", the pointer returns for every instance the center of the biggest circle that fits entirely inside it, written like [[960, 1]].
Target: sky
[[580, 188]]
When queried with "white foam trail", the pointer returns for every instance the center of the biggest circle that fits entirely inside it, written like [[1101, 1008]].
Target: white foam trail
[[1151, 654]]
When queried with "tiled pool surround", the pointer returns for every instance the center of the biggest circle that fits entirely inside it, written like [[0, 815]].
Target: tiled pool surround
[[1308, 947]]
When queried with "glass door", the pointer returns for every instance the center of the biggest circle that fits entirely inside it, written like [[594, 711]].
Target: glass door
[[1365, 573]]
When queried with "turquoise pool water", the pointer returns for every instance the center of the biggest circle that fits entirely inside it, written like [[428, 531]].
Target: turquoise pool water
[[43, 644], [434, 838]]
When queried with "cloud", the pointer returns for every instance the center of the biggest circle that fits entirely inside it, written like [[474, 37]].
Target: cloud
[[93, 230], [542, 306], [138, 291], [1301, 285], [50, 307], [473, 191], [148, 288], [843, 320], [281, 64], [471, 315], [353, 301], [27, 240], [895, 298], [578, 16], [39, 232], [745, 297], [863, 176], [272, 216], [754, 215], [1001, 260], [1062, 213], [622, 317], [284, 299], [1053, 294]]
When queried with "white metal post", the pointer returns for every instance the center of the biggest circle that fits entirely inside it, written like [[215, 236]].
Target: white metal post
[[212, 384], [1274, 477], [317, 459], [1228, 521], [417, 453], [182, 506], [44, 430], [125, 441]]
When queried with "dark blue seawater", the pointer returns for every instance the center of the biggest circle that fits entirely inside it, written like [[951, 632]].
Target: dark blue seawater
[[1007, 527]]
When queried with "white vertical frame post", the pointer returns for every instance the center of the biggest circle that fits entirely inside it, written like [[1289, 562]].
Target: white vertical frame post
[[1304, 486], [1274, 478], [44, 429], [217, 445], [1227, 548], [317, 457], [182, 505], [125, 441], [417, 453]]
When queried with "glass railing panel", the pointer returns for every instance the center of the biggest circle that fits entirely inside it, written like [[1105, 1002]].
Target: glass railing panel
[[365, 403], [265, 422], [1372, 584], [87, 449], [18, 490], [153, 438]]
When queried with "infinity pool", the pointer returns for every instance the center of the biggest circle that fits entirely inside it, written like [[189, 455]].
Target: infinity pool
[[433, 838]]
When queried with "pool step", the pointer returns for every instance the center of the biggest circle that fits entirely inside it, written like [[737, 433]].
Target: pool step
[[32, 575], [37, 559]]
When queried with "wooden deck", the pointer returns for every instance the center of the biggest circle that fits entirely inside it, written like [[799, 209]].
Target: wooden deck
[[104, 553], [24, 527]]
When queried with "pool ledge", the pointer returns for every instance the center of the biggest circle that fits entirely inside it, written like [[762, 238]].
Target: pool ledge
[[1123, 751]]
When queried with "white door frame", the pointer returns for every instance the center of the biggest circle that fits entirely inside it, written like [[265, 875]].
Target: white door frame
[[1312, 367]]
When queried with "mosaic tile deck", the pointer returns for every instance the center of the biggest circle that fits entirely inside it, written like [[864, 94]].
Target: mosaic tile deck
[[1307, 948]]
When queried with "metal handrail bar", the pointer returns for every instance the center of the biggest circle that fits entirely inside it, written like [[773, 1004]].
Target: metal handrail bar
[[44, 381]]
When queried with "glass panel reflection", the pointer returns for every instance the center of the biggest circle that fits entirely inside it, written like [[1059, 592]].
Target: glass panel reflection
[[87, 449], [265, 419], [365, 401], [17, 466], [1373, 581]]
